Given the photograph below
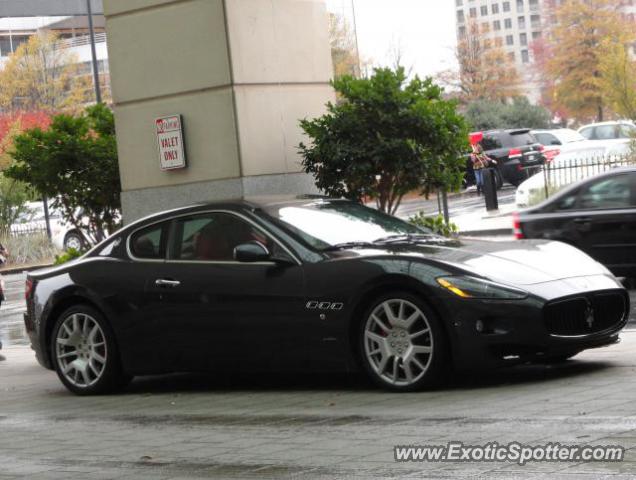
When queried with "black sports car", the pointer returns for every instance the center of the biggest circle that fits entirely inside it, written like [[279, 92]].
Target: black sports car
[[312, 284]]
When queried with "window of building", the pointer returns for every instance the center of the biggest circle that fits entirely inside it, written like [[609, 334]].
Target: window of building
[[520, 5], [525, 56], [511, 56], [459, 3], [484, 10], [473, 12], [496, 25], [506, 6], [535, 21], [508, 23], [462, 31], [498, 42], [536, 35], [494, 8], [485, 27], [523, 39], [534, 5], [522, 22], [460, 16], [510, 40]]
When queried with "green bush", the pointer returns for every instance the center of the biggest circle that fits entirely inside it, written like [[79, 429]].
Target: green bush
[[436, 224], [29, 249], [67, 256]]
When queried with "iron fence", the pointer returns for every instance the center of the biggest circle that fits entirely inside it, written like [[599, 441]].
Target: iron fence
[[562, 172], [18, 230]]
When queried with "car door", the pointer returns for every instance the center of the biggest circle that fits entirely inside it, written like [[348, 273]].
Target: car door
[[606, 221], [222, 313]]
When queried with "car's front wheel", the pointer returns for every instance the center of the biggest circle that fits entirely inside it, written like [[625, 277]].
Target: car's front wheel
[[84, 352], [73, 240], [402, 344]]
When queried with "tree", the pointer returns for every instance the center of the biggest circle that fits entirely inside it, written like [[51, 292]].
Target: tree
[[486, 72], [575, 47], [13, 198], [520, 113], [385, 138], [11, 124], [344, 53], [618, 79], [41, 76], [74, 161]]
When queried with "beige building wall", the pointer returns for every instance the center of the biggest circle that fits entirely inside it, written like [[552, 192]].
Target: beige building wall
[[240, 72]]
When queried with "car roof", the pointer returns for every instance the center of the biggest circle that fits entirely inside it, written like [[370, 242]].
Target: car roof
[[611, 122], [512, 131]]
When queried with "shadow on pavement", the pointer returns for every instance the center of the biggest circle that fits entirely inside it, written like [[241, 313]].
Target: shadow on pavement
[[522, 374]]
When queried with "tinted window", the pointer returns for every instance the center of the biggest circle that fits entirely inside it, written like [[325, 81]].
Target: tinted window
[[522, 139], [213, 237], [612, 192], [491, 142], [547, 139], [568, 202], [149, 242]]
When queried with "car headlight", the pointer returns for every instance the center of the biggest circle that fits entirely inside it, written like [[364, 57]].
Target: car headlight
[[465, 286]]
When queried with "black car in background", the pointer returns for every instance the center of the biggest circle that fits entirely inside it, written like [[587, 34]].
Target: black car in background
[[596, 215], [517, 152], [300, 284]]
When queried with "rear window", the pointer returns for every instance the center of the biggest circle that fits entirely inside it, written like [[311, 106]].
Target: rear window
[[547, 139], [522, 139]]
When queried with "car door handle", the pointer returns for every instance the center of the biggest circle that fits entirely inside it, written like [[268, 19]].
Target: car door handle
[[582, 220], [166, 282]]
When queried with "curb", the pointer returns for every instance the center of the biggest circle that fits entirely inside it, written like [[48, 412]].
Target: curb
[[23, 268], [493, 232]]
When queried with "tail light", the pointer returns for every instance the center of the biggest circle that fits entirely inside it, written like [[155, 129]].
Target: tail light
[[514, 152], [551, 154], [28, 288], [516, 226]]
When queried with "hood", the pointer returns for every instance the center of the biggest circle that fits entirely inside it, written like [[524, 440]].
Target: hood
[[521, 262]]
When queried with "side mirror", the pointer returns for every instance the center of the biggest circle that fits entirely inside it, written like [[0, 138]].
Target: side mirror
[[251, 252]]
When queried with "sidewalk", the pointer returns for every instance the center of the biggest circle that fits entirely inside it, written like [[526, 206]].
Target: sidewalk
[[482, 223]]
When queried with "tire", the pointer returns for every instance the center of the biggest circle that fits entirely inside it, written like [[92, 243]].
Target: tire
[[73, 240], [84, 352], [498, 179], [387, 352]]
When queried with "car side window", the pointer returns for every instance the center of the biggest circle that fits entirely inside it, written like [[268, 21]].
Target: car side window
[[547, 139], [608, 193], [606, 132], [627, 131], [568, 202], [213, 237], [149, 243], [491, 142], [587, 132]]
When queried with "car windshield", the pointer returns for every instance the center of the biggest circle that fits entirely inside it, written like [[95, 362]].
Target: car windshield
[[324, 224]]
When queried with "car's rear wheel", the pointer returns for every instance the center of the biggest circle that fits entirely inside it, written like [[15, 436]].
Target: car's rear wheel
[[402, 344], [73, 240], [84, 352]]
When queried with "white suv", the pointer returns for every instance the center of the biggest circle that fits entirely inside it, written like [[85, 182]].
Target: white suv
[[621, 129], [63, 235]]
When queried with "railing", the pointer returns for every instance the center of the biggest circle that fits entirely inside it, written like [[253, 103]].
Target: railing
[[560, 173], [79, 41], [18, 230]]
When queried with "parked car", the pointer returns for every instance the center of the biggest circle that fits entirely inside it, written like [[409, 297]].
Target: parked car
[[596, 215], [570, 167], [303, 284], [558, 141], [517, 152], [621, 129], [63, 234]]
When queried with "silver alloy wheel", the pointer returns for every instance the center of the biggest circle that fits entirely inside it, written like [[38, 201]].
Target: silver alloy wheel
[[398, 342], [73, 241], [80, 348]]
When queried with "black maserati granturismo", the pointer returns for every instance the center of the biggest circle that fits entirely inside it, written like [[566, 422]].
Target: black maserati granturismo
[[309, 283]]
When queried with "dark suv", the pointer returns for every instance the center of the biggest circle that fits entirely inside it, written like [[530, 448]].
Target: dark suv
[[517, 152]]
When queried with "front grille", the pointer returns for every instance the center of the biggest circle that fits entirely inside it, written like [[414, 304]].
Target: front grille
[[593, 313]]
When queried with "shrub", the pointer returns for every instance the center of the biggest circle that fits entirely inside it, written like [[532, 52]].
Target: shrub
[[436, 224], [67, 256]]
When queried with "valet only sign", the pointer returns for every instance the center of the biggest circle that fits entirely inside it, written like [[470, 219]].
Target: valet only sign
[[170, 141]]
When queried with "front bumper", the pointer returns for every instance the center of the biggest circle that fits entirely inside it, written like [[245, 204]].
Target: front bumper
[[496, 333]]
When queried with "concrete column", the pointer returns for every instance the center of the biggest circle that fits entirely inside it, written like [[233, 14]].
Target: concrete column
[[240, 72]]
